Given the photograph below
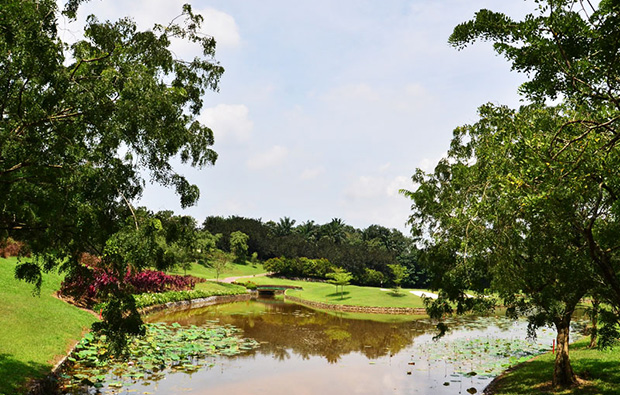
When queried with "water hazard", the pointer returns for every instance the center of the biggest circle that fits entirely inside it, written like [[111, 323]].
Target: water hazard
[[304, 351]]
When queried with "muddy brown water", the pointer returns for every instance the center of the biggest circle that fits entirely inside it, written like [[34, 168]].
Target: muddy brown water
[[306, 351]]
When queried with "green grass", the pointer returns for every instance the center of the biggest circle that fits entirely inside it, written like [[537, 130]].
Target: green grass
[[353, 295], [599, 369], [36, 331], [212, 286], [232, 270]]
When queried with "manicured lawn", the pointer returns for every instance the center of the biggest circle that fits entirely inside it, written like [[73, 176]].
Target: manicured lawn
[[353, 295], [600, 369], [233, 270], [35, 331], [212, 286]]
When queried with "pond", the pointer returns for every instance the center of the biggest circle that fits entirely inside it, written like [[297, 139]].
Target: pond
[[298, 350]]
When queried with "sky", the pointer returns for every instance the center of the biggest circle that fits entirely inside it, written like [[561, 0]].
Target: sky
[[326, 108]]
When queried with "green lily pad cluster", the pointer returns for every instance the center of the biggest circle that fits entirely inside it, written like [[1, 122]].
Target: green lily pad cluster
[[487, 356], [164, 347]]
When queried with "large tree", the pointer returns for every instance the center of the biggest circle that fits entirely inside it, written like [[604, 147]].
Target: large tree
[[570, 49], [82, 125], [499, 216]]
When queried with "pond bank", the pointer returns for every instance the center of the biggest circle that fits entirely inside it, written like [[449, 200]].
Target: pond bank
[[357, 309], [195, 303]]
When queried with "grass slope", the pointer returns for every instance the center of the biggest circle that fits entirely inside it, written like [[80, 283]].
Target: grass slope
[[353, 294], [35, 330], [600, 370], [232, 270]]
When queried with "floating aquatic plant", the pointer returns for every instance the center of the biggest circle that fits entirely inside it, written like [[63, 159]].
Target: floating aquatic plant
[[164, 347]]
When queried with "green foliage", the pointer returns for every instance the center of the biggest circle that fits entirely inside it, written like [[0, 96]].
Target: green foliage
[[299, 267], [399, 272], [373, 277], [526, 202], [239, 246], [185, 349], [339, 277], [150, 299], [66, 114], [569, 50]]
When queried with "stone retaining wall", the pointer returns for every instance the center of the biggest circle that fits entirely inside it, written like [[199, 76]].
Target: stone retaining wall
[[358, 309], [195, 303]]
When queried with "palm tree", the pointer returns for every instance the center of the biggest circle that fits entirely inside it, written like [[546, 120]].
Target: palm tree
[[334, 231], [309, 230], [284, 227]]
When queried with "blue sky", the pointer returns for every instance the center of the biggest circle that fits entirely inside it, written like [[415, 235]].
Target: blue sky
[[327, 108]]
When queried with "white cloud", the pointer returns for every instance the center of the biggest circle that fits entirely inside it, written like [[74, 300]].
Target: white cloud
[[229, 122], [275, 156], [372, 187], [221, 26], [311, 174]]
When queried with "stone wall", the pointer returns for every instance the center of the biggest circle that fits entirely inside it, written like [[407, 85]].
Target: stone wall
[[358, 309], [195, 303]]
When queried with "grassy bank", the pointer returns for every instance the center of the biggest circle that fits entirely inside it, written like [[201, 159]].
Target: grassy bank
[[36, 331], [232, 270], [600, 371], [352, 295]]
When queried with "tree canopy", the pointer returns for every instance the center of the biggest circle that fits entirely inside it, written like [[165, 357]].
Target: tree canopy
[[526, 202], [81, 125]]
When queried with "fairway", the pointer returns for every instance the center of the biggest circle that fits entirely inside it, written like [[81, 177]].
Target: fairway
[[352, 294]]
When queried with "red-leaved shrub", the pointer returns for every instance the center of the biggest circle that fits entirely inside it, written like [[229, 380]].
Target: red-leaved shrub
[[10, 247], [90, 281]]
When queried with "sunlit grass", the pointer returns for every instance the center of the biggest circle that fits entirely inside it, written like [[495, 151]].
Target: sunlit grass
[[352, 295], [232, 270], [35, 331], [598, 369]]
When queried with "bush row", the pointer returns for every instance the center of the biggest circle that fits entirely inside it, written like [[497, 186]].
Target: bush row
[[299, 267]]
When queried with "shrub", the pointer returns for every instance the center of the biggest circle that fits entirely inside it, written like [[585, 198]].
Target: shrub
[[247, 284], [10, 247], [299, 267], [89, 283]]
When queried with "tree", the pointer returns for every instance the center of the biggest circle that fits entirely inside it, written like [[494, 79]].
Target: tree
[[334, 231], [398, 272], [239, 246], [309, 230], [502, 218], [80, 126], [284, 227], [569, 49], [339, 277]]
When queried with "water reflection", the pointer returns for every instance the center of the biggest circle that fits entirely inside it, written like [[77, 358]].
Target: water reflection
[[305, 351], [286, 328]]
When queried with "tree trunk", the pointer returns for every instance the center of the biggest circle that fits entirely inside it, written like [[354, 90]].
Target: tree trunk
[[594, 318], [563, 375]]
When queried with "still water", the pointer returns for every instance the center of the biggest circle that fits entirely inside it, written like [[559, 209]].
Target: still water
[[305, 351]]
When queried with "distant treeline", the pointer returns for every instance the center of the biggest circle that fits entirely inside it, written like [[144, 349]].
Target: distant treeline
[[365, 253]]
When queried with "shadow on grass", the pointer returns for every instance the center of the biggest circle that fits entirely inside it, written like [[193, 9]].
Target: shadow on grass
[[396, 294], [339, 295], [15, 375], [597, 377]]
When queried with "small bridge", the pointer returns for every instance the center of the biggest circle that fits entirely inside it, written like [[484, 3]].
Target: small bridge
[[274, 289]]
